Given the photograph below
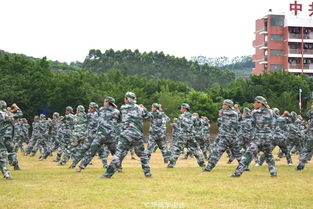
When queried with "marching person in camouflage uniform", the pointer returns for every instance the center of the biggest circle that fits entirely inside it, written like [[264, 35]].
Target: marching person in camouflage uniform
[[55, 126], [34, 137], [227, 135], [133, 116], [245, 133], [106, 131], [262, 118], [279, 136], [198, 133], [158, 131], [295, 135], [175, 133], [79, 133], [307, 151], [205, 131], [7, 116], [18, 136], [43, 135], [67, 134], [92, 125], [185, 138]]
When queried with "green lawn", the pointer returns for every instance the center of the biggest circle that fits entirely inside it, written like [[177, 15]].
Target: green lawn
[[43, 184]]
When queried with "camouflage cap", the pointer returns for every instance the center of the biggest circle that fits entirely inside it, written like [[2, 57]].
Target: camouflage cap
[[111, 100], [36, 117], [131, 97], [69, 108], [156, 105], [228, 102], [81, 108], [261, 100], [42, 116], [3, 104], [93, 105], [56, 114], [247, 110], [185, 106], [293, 114], [276, 111]]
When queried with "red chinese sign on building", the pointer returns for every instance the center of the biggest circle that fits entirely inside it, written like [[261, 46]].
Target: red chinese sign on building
[[297, 8]]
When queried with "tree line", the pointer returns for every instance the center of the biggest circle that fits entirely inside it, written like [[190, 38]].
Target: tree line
[[37, 87]]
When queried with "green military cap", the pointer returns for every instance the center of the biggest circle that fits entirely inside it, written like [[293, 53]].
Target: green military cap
[[93, 105], [56, 114], [130, 95], [261, 100], [3, 104], [42, 116], [228, 102], [69, 108], [111, 100], [156, 105], [81, 108], [247, 110], [185, 105]]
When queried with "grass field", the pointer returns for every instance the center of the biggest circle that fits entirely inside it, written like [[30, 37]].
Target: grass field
[[43, 184]]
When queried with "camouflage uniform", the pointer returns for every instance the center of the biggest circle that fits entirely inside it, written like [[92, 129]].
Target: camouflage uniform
[[133, 116], [18, 136], [262, 124], [158, 132], [245, 133], [227, 136], [79, 132], [205, 132], [34, 137], [279, 137], [198, 134], [43, 135], [175, 133], [67, 134], [185, 139], [295, 135], [5, 120], [306, 152], [55, 126], [106, 132], [92, 125], [6, 134]]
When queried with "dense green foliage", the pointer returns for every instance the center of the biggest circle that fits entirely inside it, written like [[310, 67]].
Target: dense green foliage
[[36, 88], [156, 65]]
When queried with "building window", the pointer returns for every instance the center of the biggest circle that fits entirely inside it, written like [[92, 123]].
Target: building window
[[277, 20], [277, 68], [276, 37], [276, 52]]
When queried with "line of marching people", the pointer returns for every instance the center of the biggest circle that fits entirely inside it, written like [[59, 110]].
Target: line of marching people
[[108, 130]]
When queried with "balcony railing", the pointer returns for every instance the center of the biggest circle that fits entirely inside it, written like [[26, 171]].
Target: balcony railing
[[294, 66], [294, 51], [308, 66], [307, 51], [294, 36]]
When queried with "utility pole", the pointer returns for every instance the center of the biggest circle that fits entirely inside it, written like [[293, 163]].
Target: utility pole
[[300, 91]]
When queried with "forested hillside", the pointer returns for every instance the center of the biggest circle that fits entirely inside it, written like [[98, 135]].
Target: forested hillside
[[157, 65]]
